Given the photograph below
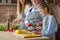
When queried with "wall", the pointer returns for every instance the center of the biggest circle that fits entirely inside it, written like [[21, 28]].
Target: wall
[[57, 2], [6, 10], [57, 15]]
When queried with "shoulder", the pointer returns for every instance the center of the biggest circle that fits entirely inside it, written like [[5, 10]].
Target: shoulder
[[52, 18]]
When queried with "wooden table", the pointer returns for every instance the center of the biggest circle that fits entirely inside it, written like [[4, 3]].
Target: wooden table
[[11, 36]]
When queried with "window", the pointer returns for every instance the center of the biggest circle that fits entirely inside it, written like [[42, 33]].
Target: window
[[13, 1], [3, 1]]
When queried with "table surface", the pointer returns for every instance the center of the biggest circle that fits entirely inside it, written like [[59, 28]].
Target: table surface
[[12, 36]]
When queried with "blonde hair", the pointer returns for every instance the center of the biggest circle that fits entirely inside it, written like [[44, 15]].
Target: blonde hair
[[22, 7]]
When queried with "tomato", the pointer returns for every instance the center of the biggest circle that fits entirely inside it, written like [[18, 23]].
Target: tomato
[[11, 29], [5, 30], [28, 24]]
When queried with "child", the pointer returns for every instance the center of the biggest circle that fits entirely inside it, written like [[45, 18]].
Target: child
[[49, 27]]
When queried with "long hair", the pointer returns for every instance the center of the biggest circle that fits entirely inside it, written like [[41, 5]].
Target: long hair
[[22, 7]]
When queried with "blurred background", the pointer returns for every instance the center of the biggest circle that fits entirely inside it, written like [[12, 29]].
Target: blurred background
[[10, 8]]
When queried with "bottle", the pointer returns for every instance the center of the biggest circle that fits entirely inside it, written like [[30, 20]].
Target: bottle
[[8, 25]]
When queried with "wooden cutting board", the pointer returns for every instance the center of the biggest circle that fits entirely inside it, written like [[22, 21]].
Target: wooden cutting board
[[26, 35]]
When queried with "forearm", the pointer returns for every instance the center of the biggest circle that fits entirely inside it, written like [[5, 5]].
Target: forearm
[[22, 19]]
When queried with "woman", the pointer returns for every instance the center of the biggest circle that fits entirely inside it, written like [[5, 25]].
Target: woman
[[35, 4], [21, 16], [34, 15], [24, 10], [49, 22]]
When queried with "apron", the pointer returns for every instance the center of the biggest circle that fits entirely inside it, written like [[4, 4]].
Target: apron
[[22, 23]]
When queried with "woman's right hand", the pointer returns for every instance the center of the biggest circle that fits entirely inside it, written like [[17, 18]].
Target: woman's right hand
[[6, 23], [19, 20], [28, 24], [11, 22]]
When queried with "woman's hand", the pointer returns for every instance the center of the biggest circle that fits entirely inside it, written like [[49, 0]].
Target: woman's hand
[[6, 23], [19, 20], [28, 24], [36, 32], [39, 23], [38, 28], [11, 22]]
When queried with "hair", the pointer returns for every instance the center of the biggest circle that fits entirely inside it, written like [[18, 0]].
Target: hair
[[22, 6], [46, 5], [43, 5]]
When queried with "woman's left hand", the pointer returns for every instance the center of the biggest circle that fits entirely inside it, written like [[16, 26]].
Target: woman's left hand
[[38, 27], [36, 32]]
